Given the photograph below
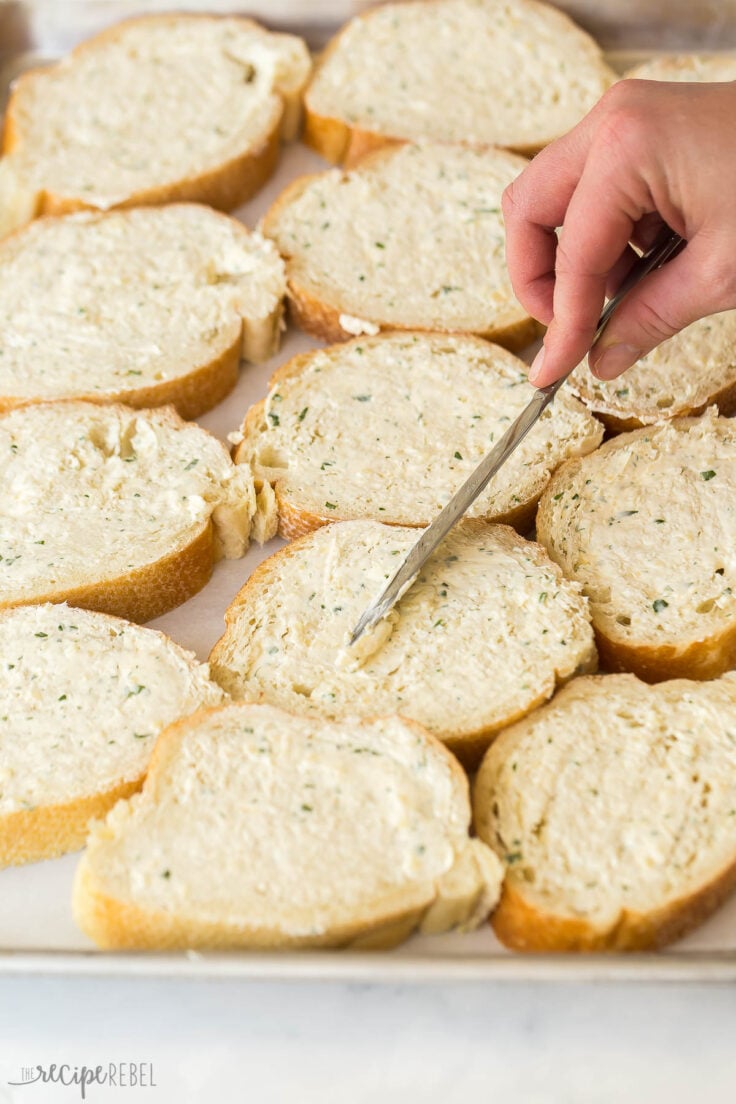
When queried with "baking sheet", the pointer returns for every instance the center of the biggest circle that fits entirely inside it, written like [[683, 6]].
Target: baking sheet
[[37, 931]]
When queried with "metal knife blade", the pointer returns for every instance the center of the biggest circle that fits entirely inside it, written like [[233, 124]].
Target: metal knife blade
[[666, 245]]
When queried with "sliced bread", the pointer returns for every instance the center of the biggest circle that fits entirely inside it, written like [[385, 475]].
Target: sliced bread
[[118, 510], [485, 634], [148, 306], [83, 697], [259, 829], [647, 525], [684, 375], [420, 411], [478, 71], [155, 109], [719, 66], [412, 238], [613, 808]]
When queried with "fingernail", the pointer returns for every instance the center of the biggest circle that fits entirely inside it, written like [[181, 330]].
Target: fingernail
[[614, 360], [537, 365]]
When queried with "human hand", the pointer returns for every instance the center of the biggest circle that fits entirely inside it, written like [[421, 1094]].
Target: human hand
[[648, 153]]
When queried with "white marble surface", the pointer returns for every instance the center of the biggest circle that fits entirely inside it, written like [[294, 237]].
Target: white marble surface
[[278, 1043]]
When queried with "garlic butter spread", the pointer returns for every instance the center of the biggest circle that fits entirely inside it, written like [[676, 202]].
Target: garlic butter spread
[[647, 526], [390, 427], [117, 118], [681, 375], [93, 304], [82, 700], [91, 492], [486, 630], [412, 238], [475, 71], [317, 822]]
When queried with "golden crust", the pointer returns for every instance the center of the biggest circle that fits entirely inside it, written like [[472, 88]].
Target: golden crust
[[523, 927], [468, 747], [725, 400], [119, 924], [225, 187], [48, 831]]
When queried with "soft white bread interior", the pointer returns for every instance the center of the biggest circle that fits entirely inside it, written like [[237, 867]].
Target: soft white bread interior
[[157, 108], [485, 634], [118, 510], [146, 306], [691, 371], [83, 698], [494, 72], [256, 828], [719, 66], [420, 411], [412, 238], [647, 525], [613, 808]]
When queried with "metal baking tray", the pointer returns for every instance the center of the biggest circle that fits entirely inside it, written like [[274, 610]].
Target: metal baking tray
[[37, 932]]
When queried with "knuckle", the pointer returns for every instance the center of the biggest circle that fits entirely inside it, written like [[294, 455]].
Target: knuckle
[[656, 323]]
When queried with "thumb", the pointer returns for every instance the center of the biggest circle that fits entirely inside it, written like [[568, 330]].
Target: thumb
[[685, 289]]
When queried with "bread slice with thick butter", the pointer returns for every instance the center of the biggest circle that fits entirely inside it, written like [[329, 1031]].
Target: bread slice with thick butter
[[155, 109], [259, 829], [411, 238], [148, 306], [613, 808], [485, 72], [419, 411], [83, 698], [486, 633], [685, 374], [118, 510], [647, 526]]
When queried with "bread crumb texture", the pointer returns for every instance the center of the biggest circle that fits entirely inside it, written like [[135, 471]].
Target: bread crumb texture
[[514, 74], [613, 808], [258, 828], [486, 632], [91, 493], [647, 525], [412, 237], [420, 411]]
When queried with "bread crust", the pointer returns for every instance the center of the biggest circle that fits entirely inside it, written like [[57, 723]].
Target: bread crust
[[146, 592], [342, 144], [322, 319], [522, 927], [467, 747], [225, 187], [725, 400], [119, 924], [48, 831]]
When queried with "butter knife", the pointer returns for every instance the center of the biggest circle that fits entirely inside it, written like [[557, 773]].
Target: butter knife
[[665, 246]]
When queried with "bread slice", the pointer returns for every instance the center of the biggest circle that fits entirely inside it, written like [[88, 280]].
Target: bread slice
[[259, 829], [486, 633], [412, 238], [421, 411], [719, 66], [83, 697], [691, 371], [613, 809], [117, 510], [647, 525], [159, 108], [476, 71], [148, 306]]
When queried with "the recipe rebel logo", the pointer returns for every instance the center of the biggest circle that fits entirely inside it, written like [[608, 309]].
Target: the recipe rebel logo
[[115, 1075]]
